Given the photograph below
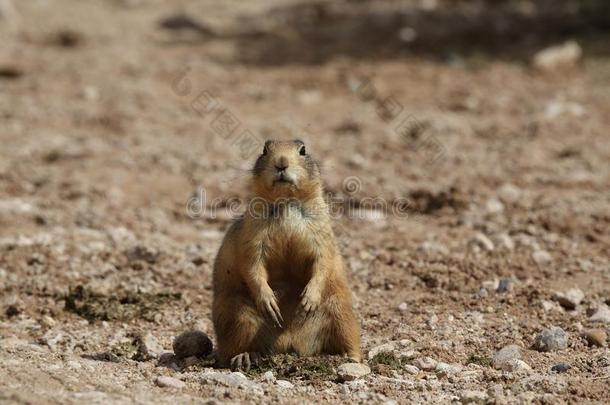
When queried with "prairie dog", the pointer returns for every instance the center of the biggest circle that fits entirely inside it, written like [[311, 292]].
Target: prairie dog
[[279, 281]]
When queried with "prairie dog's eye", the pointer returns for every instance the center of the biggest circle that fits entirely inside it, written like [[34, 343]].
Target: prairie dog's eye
[[265, 150], [302, 150]]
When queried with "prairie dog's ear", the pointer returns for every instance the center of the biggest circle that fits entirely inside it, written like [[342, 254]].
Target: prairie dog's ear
[[266, 147]]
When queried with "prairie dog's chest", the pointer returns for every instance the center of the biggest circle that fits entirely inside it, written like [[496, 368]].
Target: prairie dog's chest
[[289, 239]]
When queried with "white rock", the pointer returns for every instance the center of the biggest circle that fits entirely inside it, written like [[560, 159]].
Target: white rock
[[491, 285], [483, 242], [601, 315], [445, 369], [542, 257], [284, 384], [557, 108], [151, 345], [473, 397], [411, 369], [233, 379], [550, 306], [408, 355], [352, 371], [169, 382], [402, 307], [431, 248], [558, 57], [494, 206], [516, 365], [268, 377], [570, 299], [509, 193], [48, 322], [384, 348]]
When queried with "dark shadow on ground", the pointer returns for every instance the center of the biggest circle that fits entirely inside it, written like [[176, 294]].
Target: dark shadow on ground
[[314, 32]]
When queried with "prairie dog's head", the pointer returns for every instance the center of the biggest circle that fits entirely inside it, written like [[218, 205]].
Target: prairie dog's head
[[286, 170]]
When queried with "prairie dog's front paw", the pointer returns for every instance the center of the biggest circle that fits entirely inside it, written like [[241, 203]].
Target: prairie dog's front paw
[[310, 298], [267, 304]]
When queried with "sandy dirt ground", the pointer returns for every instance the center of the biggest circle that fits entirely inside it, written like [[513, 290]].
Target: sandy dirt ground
[[468, 188]]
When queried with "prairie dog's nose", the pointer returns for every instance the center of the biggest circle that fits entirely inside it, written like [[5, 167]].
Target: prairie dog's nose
[[281, 163]]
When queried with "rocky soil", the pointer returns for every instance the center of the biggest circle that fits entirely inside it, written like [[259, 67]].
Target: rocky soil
[[470, 190]]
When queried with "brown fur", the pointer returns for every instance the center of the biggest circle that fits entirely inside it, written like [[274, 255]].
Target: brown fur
[[280, 265]]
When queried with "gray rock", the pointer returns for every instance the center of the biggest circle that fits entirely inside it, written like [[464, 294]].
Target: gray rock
[[502, 359], [352, 371], [473, 397], [569, 299], [169, 382], [551, 339], [192, 343], [602, 314], [232, 379], [505, 285]]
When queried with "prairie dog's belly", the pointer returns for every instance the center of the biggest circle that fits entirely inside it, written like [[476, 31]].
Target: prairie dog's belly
[[288, 252]]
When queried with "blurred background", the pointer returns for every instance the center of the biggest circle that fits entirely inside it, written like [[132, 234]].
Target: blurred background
[[127, 127]]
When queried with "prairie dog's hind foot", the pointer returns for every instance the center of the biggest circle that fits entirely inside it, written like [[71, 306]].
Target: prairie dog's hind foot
[[244, 361]]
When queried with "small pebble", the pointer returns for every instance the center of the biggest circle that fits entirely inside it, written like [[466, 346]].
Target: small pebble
[[425, 363], [352, 371], [482, 242], [561, 367], [595, 337], [284, 384], [169, 382], [411, 369], [384, 348], [542, 257], [268, 377]]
